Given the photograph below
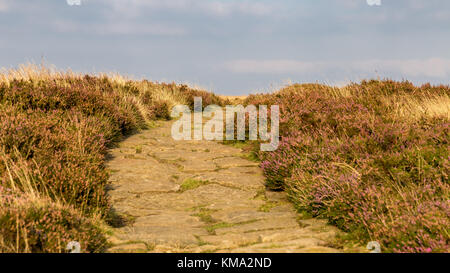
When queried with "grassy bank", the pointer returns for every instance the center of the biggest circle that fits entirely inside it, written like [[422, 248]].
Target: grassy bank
[[372, 158], [56, 129]]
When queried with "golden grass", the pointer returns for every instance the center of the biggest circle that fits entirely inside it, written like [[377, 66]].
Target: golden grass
[[32, 71], [169, 93], [429, 107], [405, 106], [20, 175], [234, 99]]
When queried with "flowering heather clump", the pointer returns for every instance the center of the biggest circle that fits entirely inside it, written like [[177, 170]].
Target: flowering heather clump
[[369, 158], [277, 167], [66, 149], [160, 110], [56, 129], [29, 224]]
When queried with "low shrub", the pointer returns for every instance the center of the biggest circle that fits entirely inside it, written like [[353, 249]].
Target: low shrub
[[38, 225], [349, 156], [56, 129]]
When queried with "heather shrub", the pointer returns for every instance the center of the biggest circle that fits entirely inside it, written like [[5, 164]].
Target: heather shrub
[[33, 224], [277, 167], [371, 158], [88, 99], [68, 153], [56, 128], [208, 98], [160, 110]]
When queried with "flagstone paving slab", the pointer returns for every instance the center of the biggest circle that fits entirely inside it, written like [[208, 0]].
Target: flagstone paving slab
[[201, 196]]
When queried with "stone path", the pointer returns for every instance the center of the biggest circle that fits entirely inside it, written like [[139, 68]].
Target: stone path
[[201, 196]]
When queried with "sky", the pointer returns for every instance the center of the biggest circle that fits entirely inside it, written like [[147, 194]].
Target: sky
[[233, 47]]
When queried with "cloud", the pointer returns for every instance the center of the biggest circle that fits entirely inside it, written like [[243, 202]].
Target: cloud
[[432, 67], [120, 28], [147, 29], [374, 2], [210, 7], [270, 66], [227, 8], [4, 5], [74, 2]]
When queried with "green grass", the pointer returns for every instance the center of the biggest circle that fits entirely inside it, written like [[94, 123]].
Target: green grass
[[139, 149], [251, 156], [247, 147], [236, 143], [190, 184], [266, 207], [211, 229], [205, 215], [200, 241]]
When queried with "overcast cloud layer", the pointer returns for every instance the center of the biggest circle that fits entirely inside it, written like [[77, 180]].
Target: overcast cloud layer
[[233, 46]]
